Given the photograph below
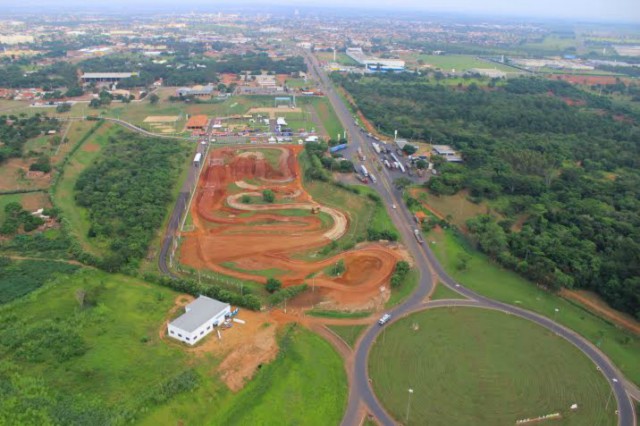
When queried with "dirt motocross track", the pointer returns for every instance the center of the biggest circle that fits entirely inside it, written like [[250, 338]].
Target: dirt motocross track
[[237, 238]]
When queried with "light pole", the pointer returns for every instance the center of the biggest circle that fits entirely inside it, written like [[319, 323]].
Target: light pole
[[614, 380], [406, 420]]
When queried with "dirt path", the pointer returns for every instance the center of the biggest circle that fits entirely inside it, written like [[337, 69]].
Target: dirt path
[[600, 308], [243, 240]]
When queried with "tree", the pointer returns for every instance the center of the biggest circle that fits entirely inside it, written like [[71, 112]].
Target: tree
[[153, 99], [63, 107], [95, 103], [338, 268], [422, 164], [409, 149], [268, 196], [273, 285], [402, 182]]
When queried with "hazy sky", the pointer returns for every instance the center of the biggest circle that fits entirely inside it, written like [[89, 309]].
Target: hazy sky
[[599, 10]]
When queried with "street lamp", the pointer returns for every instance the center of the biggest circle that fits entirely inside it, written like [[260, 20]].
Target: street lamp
[[406, 420]]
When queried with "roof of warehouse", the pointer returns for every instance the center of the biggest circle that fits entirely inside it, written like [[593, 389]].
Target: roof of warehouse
[[198, 312]]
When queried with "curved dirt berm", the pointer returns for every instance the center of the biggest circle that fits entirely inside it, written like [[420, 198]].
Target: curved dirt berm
[[245, 240]]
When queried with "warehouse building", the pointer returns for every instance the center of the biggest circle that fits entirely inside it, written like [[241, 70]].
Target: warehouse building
[[200, 318], [106, 77]]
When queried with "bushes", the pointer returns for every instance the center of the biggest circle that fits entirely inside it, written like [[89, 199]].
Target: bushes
[[400, 272], [18, 278], [268, 196], [273, 285], [286, 293], [191, 287], [16, 217]]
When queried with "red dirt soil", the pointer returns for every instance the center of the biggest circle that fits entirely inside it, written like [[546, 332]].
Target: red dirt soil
[[589, 80], [254, 237]]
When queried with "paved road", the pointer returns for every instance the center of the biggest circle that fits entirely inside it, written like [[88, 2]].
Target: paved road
[[427, 264]]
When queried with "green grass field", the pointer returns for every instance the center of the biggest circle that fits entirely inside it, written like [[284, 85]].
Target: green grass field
[[348, 333], [399, 294], [474, 367], [489, 279], [341, 58], [460, 63], [28, 200], [337, 314], [305, 385], [77, 217], [326, 114], [67, 365], [443, 292]]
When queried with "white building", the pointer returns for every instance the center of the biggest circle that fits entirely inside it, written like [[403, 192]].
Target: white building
[[200, 318], [448, 153]]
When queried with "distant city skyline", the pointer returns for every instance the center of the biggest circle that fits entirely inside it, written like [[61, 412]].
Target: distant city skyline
[[575, 10]]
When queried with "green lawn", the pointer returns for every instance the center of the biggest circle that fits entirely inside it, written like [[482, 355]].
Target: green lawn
[[468, 366], [444, 292], [458, 62], [326, 114], [489, 279], [348, 333], [305, 385]]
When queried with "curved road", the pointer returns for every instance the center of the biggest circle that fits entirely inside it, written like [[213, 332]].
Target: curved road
[[429, 266]]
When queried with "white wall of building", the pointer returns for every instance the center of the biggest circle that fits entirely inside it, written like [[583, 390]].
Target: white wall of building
[[197, 335]]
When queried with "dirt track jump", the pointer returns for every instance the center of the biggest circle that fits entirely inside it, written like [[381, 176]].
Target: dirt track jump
[[244, 239]]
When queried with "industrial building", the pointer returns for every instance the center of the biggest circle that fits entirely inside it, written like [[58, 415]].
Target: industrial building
[[447, 152], [374, 64], [197, 91], [106, 77], [200, 318]]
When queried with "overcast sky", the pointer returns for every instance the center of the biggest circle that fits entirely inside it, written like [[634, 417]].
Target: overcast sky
[[596, 10]]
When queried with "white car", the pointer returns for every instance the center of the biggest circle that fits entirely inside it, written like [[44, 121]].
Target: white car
[[393, 206], [385, 318]]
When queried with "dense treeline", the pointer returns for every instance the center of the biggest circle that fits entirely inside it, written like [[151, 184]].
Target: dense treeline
[[16, 131], [191, 71], [126, 193], [570, 174], [59, 74]]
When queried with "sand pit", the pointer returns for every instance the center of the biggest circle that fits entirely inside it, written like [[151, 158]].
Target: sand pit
[[241, 240], [273, 112], [161, 119]]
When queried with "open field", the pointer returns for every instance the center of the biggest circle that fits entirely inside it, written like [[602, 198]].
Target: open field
[[341, 58], [326, 114], [472, 366], [306, 384], [253, 247], [30, 201], [109, 360], [459, 63], [489, 279]]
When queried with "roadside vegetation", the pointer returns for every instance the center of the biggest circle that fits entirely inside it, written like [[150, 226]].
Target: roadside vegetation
[[506, 369], [20, 277], [348, 333], [549, 153]]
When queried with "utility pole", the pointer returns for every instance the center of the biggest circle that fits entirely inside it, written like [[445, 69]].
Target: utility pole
[[406, 420]]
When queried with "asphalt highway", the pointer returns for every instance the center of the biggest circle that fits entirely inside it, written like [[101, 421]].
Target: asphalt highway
[[429, 267]]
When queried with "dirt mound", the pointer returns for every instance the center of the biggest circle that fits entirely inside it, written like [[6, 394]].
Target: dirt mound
[[245, 240]]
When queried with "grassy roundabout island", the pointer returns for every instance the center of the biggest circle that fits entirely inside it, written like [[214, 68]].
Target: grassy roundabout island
[[471, 366]]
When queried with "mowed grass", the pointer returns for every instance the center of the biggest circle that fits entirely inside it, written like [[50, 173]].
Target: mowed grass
[[348, 333], [305, 385], [489, 279], [326, 114], [443, 292], [77, 217], [399, 294], [469, 366], [458, 62]]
